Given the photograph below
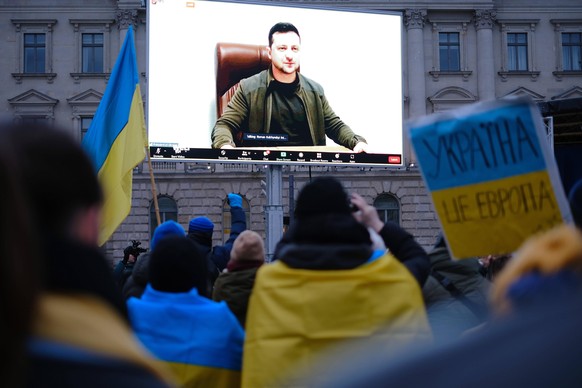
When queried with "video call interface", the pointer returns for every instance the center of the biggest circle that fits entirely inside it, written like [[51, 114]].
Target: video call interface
[[355, 56]]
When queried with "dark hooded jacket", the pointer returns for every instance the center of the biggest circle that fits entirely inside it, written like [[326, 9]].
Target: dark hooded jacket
[[137, 281]]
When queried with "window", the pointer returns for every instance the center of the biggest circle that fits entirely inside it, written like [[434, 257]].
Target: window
[[92, 53], [568, 40], [85, 124], [451, 97], [33, 120], [517, 52], [449, 51], [33, 106], [226, 217], [34, 49], [388, 208], [83, 106], [450, 48], [93, 39], [518, 56], [34, 53], [168, 211], [572, 51]]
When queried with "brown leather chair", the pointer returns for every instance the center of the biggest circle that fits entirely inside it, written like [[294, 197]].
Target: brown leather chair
[[235, 61]]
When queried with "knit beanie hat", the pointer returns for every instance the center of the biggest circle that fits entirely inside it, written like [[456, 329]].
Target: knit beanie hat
[[323, 195], [248, 246], [165, 229], [177, 266], [201, 225]]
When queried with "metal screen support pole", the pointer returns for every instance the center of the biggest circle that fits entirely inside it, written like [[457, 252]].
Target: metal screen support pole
[[274, 208]]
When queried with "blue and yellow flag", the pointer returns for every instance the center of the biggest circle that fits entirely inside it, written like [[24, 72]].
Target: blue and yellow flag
[[116, 140]]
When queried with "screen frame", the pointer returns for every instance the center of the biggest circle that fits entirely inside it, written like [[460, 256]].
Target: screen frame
[[169, 151]]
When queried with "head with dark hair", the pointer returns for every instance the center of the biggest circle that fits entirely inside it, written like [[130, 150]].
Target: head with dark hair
[[177, 266], [20, 269], [57, 175], [282, 27]]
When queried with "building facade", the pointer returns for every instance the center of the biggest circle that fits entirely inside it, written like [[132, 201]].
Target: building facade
[[57, 57]]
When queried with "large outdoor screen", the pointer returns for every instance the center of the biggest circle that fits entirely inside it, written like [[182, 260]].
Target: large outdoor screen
[[355, 56]]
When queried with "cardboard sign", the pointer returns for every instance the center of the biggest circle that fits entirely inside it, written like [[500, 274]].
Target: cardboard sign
[[491, 174]]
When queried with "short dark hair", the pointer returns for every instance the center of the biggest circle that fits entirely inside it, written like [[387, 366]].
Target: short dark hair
[[57, 175], [282, 27]]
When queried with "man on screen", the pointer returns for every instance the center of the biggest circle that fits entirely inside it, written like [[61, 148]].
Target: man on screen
[[280, 106]]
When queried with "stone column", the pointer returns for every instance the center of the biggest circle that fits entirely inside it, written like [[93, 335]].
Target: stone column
[[484, 21], [414, 20]]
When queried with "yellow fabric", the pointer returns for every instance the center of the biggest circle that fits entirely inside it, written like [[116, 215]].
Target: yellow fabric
[[196, 376], [117, 171], [547, 253], [294, 315], [88, 323]]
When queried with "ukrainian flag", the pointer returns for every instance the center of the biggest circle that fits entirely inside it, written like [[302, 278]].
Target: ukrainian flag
[[116, 140]]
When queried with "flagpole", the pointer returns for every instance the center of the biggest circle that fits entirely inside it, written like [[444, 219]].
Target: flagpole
[[153, 184]]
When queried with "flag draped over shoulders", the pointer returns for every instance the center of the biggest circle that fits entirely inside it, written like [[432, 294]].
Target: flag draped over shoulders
[[116, 140]]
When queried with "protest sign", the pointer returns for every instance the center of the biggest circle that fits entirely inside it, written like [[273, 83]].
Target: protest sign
[[491, 174]]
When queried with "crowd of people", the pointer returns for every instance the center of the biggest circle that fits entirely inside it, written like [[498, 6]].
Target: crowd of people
[[347, 301]]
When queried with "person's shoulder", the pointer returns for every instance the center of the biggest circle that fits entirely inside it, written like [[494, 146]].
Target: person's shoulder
[[255, 80], [309, 84]]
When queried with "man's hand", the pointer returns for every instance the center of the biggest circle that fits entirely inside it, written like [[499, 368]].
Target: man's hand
[[366, 214], [235, 200], [226, 147], [360, 147]]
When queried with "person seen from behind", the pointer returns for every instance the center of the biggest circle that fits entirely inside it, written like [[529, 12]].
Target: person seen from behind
[[200, 230], [329, 287], [79, 334], [138, 280], [199, 339], [235, 283]]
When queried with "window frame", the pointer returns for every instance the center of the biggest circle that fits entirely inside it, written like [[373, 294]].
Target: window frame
[[90, 53], [84, 105], [92, 26], [380, 208], [163, 212], [38, 53], [564, 26], [39, 26], [514, 52], [448, 47], [33, 104], [450, 26], [519, 26]]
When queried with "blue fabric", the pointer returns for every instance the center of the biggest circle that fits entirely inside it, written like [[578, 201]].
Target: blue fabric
[[376, 255], [165, 229], [531, 288], [490, 145], [187, 328]]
